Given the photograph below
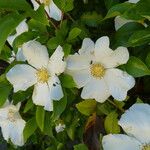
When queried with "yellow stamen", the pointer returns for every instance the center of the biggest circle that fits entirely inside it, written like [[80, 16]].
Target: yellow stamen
[[42, 75], [146, 147], [11, 114], [97, 70]]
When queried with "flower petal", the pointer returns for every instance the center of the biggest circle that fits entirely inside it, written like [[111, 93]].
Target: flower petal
[[21, 77], [19, 55], [56, 92], [120, 21], [78, 62], [16, 133], [119, 83], [136, 122], [35, 4], [118, 57], [56, 64], [133, 1], [87, 46], [95, 89], [54, 11], [22, 27], [5, 129], [120, 142], [81, 77], [102, 48], [36, 54]]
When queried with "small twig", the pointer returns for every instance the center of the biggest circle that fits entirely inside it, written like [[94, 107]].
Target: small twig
[[70, 17], [119, 108]]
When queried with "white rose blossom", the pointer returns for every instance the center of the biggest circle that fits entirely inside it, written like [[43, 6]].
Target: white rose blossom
[[21, 28], [94, 69], [11, 123], [136, 123], [50, 7], [43, 74]]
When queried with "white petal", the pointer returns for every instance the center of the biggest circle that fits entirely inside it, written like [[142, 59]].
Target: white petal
[[133, 1], [22, 27], [136, 122], [17, 132], [41, 94], [118, 57], [95, 89], [5, 129], [78, 62], [120, 21], [19, 55], [56, 64], [81, 77], [56, 92], [119, 83], [102, 48], [35, 4], [11, 39], [55, 12], [21, 77], [120, 142], [87, 46], [36, 54]]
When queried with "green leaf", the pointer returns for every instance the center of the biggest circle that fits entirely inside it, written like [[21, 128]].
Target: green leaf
[[118, 9], [59, 107], [136, 67], [15, 4], [111, 123], [73, 33], [92, 19], [28, 106], [39, 15], [125, 32], [80, 147], [65, 5], [148, 60], [67, 49], [30, 128], [8, 25], [139, 38], [87, 107], [5, 89], [67, 81], [40, 116]]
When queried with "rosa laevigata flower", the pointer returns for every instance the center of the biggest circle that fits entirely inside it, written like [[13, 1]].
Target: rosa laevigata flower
[[11, 123], [50, 7], [94, 69], [21, 28], [136, 123], [42, 72]]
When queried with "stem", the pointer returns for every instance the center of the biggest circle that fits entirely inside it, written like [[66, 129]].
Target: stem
[[119, 108], [70, 17]]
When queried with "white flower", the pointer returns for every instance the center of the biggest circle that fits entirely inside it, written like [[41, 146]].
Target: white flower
[[11, 123], [133, 1], [136, 123], [42, 74], [21, 28], [60, 127], [93, 68], [52, 10]]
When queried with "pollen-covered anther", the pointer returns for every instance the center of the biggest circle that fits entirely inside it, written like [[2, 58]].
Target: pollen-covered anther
[[146, 147], [97, 70], [11, 116], [42, 75]]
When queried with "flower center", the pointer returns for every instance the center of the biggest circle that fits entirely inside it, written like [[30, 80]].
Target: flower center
[[42, 75], [97, 70], [146, 147], [11, 116], [46, 2]]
